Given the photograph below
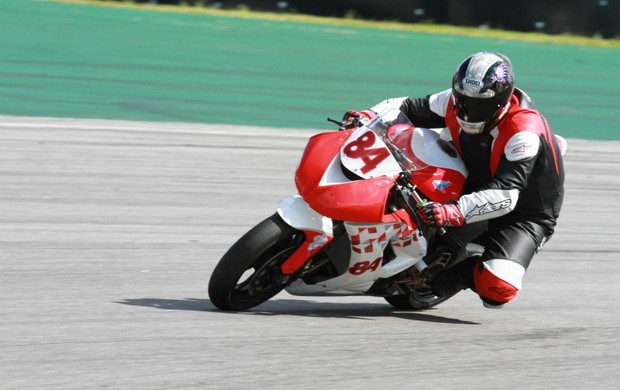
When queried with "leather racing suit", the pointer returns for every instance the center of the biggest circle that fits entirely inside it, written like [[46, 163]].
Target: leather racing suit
[[514, 190]]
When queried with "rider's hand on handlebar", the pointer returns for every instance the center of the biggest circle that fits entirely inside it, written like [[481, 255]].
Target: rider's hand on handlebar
[[439, 215], [353, 118]]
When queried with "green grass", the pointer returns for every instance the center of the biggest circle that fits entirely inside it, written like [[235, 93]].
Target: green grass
[[79, 59], [421, 28]]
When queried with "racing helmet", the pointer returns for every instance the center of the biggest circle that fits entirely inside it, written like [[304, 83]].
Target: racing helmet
[[481, 91]]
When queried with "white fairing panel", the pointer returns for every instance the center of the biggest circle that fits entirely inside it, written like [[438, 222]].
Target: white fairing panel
[[428, 147], [366, 261], [297, 213]]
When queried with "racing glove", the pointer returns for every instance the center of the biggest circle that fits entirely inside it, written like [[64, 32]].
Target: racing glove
[[353, 118], [441, 214]]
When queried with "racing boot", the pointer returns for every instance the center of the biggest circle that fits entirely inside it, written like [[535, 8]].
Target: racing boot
[[457, 278]]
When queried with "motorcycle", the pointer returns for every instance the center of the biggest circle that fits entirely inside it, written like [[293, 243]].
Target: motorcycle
[[352, 229]]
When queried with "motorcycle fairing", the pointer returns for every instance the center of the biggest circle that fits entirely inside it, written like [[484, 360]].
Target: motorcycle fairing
[[406, 241], [366, 264], [439, 171], [321, 182], [317, 228], [324, 181], [366, 155]]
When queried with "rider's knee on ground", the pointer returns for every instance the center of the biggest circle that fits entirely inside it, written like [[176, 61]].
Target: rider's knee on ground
[[490, 304], [498, 281]]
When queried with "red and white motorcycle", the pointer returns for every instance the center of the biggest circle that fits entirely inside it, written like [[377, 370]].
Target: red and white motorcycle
[[352, 230]]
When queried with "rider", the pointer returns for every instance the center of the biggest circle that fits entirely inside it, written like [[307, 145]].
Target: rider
[[515, 186]]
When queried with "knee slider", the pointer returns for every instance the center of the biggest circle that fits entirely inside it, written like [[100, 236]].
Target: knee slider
[[490, 304], [498, 281]]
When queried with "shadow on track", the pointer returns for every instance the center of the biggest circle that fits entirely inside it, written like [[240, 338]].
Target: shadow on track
[[294, 307]]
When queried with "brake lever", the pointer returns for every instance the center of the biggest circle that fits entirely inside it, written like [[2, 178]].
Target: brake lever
[[409, 189], [404, 181], [346, 125], [339, 123]]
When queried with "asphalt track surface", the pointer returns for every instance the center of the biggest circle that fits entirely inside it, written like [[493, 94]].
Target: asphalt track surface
[[110, 230]]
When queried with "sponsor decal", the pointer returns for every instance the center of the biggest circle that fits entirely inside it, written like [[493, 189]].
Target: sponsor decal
[[441, 185], [473, 82], [365, 266], [317, 242], [520, 149], [363, 242], [488, 207], [362, 148], [503, 291]]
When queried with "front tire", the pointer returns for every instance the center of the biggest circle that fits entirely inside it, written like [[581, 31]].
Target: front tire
[[249, 272]]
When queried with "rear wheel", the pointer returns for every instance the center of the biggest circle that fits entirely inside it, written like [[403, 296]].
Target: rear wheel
[[423, 298], [249, 273], [411, 302]]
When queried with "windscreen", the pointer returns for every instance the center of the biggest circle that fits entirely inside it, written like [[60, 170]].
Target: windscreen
[[396, 130]]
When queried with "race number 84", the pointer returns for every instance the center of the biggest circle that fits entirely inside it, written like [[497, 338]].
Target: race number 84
[[364, 266], [362, 148]]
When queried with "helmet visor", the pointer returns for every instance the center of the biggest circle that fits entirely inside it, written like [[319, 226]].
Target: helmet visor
[[472, 109]]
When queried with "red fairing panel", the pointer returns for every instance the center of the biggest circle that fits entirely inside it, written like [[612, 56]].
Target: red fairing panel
[[439, 184], [335, 196], [314, 242]]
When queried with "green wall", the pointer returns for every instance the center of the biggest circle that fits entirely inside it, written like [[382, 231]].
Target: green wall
[[66, 60]]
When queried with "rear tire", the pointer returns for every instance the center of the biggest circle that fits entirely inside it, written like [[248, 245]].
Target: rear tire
[[408, 302], [249, 273]]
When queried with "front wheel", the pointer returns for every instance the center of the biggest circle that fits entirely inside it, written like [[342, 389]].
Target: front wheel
[[249, 273]]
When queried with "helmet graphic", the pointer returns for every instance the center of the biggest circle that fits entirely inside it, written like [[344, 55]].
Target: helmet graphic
[[481, 88]]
